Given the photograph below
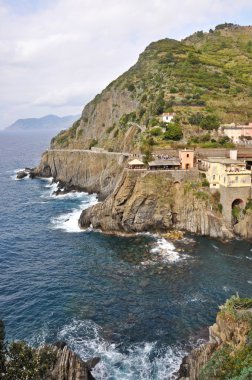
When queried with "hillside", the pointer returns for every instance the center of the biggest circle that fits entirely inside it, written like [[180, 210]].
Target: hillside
[[205, 79], [47, 122]]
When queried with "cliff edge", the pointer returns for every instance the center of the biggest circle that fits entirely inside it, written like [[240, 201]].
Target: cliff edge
[[155, 202], [228, 354]]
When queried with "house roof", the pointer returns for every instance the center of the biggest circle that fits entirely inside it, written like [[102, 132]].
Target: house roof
[[169, 114], [224, 161], [136, 162], [164, 163]]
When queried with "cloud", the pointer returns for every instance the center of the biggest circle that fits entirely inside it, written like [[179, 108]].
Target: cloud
[[56, 56]]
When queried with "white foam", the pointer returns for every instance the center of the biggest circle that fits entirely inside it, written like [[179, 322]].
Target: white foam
[[215, 247], [68, 222], [249, 258], [226, 289], [143, 361], [249, 282], [165, 252], [14, 176]]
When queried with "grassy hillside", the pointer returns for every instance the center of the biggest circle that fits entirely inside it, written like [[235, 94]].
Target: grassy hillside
[[206, 79]]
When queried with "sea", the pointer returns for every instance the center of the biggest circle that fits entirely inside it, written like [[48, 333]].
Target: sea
[[139, 303]]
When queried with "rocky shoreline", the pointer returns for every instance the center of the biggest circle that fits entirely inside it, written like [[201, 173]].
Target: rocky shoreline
[[135, 202], [229, 338]]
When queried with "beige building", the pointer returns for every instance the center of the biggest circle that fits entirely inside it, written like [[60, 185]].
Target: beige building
[[238, 133], [186, 157], [233, 181], [225, 172]]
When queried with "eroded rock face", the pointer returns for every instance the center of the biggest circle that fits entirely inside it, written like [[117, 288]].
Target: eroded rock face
[[151, 202], [100, 119], [244, 227], [226, 331], [83, 170], [69, 366]]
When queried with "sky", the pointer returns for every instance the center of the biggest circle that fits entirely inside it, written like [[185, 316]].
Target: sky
[[56, 55]]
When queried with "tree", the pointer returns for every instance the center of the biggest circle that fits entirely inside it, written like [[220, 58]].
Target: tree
[[174, 132], [210, 122]]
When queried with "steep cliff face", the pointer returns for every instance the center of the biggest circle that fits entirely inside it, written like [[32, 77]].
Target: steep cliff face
[[70, 366], [204, 79], [89, 171], [153, 202], [100, 123], [244, 227], [228, 351]]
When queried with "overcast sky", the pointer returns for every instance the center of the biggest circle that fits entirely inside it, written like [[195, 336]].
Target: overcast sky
[[55, 55]]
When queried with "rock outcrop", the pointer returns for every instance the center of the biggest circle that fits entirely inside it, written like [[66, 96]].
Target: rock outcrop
[[153, 202], [244, 227], [231, 331], [69, 366], [83, 170]]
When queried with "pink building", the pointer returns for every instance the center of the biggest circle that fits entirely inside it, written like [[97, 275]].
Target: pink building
[[238, 133], [186, 158]]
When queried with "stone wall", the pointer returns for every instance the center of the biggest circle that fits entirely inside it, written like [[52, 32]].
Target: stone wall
[[174, 175], [227, 197]]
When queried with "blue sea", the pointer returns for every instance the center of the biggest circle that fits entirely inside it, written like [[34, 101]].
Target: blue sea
[[139, 303]]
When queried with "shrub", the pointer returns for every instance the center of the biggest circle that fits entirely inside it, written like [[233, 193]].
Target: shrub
[[220, 207], [205, 183], [174, 132], [156, 131], [130, 87], [209, 122], [227, 364], [94, 142]]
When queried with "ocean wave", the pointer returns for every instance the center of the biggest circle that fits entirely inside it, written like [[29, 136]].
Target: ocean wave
[[165, 252], [14, 176], [143, 361], [68, 222]]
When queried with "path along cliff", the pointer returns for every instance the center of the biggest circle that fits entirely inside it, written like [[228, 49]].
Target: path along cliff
[[94, 172], [139, 201]]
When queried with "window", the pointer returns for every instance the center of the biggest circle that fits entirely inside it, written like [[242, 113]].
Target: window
[[214, 177], [236, 179], [187, 155]]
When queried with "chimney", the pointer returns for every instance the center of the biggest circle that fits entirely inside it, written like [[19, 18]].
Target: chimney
[[233, 154]]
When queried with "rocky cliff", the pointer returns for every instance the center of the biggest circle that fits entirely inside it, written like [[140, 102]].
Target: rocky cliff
[[204, 79], [156, 202], [244, 227], [228, 353], [69, 366], [84, 170]]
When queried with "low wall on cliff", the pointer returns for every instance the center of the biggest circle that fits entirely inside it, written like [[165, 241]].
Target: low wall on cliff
[[173, 175], [94, 172]]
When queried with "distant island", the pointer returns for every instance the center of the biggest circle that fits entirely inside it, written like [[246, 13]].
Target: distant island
[[48, 122]]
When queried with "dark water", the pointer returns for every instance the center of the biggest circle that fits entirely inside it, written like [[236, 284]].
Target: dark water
[[136, 302]]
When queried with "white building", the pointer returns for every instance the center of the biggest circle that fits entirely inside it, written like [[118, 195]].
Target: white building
[[167, 117]]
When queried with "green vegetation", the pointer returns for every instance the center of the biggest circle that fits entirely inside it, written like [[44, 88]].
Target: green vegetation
[[229, 365], [232, 362], [94, 142], [173, 132], [205, 79], [65, 137], [19, 361]]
